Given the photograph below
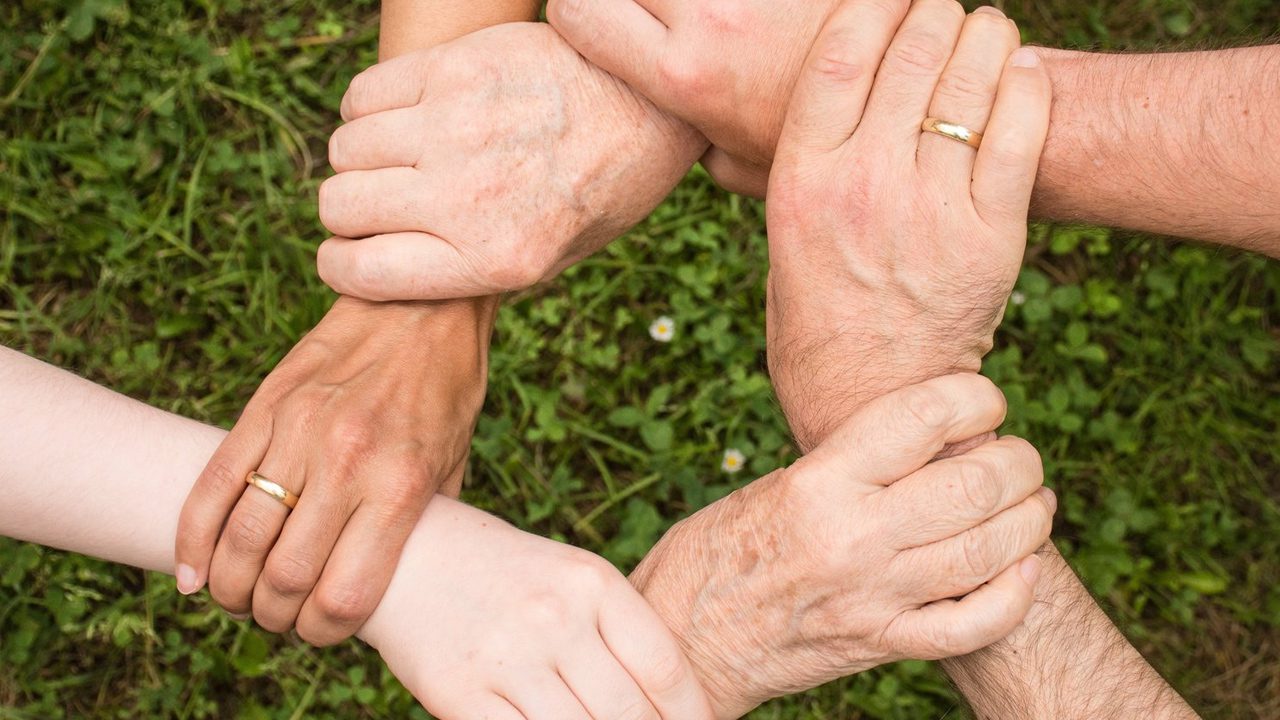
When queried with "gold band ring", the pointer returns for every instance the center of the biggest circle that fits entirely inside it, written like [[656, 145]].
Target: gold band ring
[[952, 131], [273, 489]]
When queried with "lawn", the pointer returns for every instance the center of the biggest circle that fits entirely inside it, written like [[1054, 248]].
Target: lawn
[[158, 170]]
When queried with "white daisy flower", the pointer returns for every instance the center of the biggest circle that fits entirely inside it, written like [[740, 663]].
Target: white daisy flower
[[663, 329], [1018, 298], [733, 461]]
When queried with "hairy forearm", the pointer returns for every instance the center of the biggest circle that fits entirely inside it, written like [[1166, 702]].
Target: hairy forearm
[[1067, 661], [1178, 144]]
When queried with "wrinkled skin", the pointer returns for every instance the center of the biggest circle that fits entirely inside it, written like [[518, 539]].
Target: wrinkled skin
[[725, 66], [489, 164], [853, 556], [893, 252]]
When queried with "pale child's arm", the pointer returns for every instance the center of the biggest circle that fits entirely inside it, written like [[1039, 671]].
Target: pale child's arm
[[88, 470]]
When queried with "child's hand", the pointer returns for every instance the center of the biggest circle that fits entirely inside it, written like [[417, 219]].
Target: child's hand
[[485, 621]]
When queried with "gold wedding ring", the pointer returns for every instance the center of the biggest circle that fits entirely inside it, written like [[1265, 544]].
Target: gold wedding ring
[[273, 489], [959, 133]]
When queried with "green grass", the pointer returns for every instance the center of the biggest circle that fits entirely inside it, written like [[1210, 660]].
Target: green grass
[[158, 168]]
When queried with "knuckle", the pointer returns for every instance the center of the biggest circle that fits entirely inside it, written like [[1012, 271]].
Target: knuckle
[[354, 99], [226, 597], [989, 15], [548, 610], [977, 558], [1023, 453], [290, 576], [222, 478], [566, 14], [351, 435], [523, 268], [248, 533], [1007, 158], [838, 60], [918, 53], [686, 79], [592, 574], [926, 406], [271, 623], [964, 85], [406, 491], [977, 487], [664, 674], [345, 604]]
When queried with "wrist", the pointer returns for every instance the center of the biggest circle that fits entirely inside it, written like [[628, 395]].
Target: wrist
[[821, 384]]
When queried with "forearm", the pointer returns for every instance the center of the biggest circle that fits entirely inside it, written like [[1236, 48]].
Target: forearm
[[1178, 144], [90, 471], [1067, 661], [408, 25]]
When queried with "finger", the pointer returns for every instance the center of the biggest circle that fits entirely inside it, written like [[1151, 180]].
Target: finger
[[948, 628], [295, 563], [897, 434], [961, 448], [407, 266], [361, 203], [620, 37], [251, 531], [545, 696], [975, 556], [391, 138], [950, 496], [604, 688], [637, 637], [829, 97], [214, 494], [358, 572], [734, 175], [910, 72], [395, 83], [1007, 163], [966, 93]]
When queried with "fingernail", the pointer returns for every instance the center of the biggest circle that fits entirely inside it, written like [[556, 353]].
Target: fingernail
[[188, 581], [1029, 569], [240, 617], [1025, 58], [988, 10], [1049, 499]]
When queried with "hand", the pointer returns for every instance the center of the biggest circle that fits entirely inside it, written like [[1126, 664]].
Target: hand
[[365, 419], [489, 164], [725, 66], [485, 621], [853, 557], [892, 251]]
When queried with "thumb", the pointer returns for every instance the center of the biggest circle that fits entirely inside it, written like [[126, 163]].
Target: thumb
[[899, 433]]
